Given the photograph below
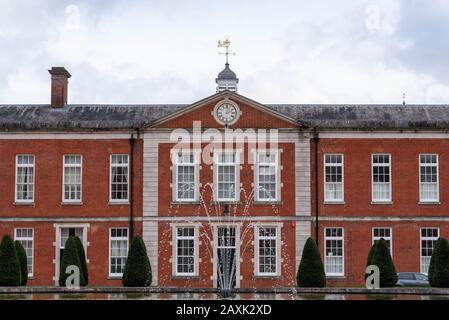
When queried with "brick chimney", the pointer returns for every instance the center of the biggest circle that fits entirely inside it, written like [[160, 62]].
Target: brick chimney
[[59, 86]]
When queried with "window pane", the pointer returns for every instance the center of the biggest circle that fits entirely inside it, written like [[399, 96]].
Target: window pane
[[25, 178], [185, 253], [334, 251], [119, 250], [267, 250], [429, 237], [119, 177]]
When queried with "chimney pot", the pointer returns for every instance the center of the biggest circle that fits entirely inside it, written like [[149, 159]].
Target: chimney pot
[[59, 86]]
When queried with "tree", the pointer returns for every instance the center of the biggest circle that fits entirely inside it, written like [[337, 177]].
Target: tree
[[22, 256], [82, 257], [311, 270], [370, 256], [10, 272], [138, 269], [381, 257], [70, 258], [439, 264]]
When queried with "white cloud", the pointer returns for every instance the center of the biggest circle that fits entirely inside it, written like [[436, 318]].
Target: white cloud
[[165, 52]]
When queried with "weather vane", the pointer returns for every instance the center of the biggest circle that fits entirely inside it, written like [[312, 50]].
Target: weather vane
[[225, 44]]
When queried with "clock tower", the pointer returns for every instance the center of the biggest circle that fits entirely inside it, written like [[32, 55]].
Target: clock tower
[[227, 80]]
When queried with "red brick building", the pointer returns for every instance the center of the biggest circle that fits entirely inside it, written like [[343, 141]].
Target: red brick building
[[224, 191]]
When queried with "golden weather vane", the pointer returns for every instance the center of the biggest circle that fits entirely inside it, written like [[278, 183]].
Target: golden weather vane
[[225, 44]]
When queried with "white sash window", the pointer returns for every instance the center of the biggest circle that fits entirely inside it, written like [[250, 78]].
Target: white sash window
[[381, 178], [333, 173], [428, 178]]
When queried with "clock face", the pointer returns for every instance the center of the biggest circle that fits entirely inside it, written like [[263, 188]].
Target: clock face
[[226, 112]]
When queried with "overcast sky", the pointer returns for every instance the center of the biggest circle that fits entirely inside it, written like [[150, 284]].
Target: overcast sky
[[124, 51]]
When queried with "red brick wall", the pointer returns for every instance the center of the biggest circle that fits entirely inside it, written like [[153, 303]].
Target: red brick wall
[[285, 208], [287, 255], [357, 197], [44, 250], [358, 241], [48, 197], [405, 176], [48, 177]]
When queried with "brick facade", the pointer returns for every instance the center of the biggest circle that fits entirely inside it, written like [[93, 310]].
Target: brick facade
[[47, 213], [405, 215], [281, 226]]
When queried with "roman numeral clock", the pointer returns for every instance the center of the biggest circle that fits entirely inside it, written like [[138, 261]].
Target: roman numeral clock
[[226, 112]]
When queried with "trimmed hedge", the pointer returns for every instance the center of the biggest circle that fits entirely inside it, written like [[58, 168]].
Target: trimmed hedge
[[138, 269], [370, 257], [82, 257], [439, 264], [22, 256], [381, 257], [70, 257], [311, 271], [10, 272]]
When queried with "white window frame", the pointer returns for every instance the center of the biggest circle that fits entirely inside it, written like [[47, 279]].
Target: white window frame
[[437, 164], [236, 164], [390, 238], [195, 164], [421, 238], [16, 237], [238, 247], [385, 200], [195, 239], [342, 165], [70, 165], [116, 274], [257, 247], [34, 178], [277, 166], [111, 165], [342, 238]]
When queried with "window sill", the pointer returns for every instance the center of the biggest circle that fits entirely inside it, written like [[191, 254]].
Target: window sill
[[267, 277], [125, 203], [335, 277], [115, 277], [223, 202], [71, 203], [191, 203], [267, 203], [185, 277], [382, 202], [334, 202], [24, 204], [431, 203]]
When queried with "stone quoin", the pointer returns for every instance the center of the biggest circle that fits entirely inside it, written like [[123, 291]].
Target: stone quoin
[[344, 175]]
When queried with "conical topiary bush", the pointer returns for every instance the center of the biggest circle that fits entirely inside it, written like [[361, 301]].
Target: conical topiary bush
[[22, 256], [138, 269], [311, 271], [82, 257], [70, 258], [382, 258], [370, 257], [10, 272], [439, 265]]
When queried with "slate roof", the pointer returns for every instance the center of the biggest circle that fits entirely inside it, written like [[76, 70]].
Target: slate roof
[[360, 117]]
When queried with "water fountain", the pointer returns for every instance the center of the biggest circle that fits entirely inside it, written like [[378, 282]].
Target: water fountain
[[230, 244]]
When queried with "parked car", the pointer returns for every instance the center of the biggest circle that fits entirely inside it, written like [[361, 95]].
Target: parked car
[[412, 279]]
